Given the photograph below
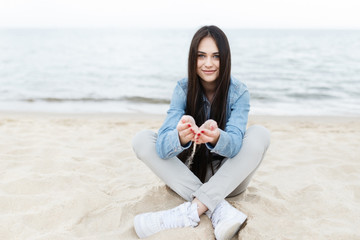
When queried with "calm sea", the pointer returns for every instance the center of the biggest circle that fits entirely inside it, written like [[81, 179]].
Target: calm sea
[[288, 72]]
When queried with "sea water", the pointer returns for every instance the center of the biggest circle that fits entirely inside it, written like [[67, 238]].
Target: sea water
[[288, 72]]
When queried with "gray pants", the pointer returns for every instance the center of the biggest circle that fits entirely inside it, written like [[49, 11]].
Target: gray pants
[[229, 180]]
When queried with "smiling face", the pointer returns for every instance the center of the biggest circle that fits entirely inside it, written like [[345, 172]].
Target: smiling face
[[208, 61]]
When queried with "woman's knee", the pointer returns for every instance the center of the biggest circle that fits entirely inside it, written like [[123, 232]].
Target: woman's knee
[[259, 134], [142, 142]]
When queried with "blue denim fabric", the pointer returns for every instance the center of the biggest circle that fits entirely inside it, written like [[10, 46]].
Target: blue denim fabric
[[168, 143]]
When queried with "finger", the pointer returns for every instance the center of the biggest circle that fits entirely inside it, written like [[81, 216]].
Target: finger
[[199, 138], [213, 126], [182, 126], [184, 119], [195, 129], [186, 136], [203, 139], [208, 133], [191, 120], [210, 124], [187, 119], [190, 137], [187, 132]]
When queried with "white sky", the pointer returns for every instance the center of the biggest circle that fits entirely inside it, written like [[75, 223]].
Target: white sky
[[181, 13]]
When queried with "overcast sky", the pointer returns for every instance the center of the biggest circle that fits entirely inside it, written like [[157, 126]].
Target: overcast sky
[[337, 14]]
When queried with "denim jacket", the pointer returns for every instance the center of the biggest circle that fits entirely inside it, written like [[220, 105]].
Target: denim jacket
[[168, 143]]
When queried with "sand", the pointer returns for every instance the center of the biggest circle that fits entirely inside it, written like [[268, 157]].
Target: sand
[[76, 177]]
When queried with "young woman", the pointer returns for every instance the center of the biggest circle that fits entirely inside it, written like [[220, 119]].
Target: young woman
[[202, 150]]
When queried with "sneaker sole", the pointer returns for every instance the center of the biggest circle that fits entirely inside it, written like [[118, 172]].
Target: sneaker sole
[[232, 230], [137, 224]]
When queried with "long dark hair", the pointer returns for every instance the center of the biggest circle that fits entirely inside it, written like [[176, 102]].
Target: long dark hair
[[195, 93]]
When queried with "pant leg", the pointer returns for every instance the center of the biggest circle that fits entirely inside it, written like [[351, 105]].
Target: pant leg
[[172, 171], [243, 185], [235, 173]]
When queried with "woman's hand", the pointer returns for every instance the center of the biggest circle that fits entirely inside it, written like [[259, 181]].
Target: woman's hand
[[187, 129], [208, 133]]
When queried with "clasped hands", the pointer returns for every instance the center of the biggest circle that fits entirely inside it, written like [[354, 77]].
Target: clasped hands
[[189, 131]]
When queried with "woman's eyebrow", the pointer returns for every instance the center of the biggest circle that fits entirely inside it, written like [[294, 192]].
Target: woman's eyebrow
[[206, 53]]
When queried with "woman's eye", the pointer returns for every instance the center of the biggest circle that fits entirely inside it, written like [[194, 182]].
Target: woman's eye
[[201, 56], [216, 56]]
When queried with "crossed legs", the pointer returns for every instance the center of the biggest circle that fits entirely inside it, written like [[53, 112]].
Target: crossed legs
[[231, 178]]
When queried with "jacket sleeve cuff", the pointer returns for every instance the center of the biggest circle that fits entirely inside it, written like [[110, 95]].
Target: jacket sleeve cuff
[[221, 143], [177, 147]]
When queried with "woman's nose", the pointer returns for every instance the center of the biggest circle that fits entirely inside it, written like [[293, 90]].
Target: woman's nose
[[208, 62]]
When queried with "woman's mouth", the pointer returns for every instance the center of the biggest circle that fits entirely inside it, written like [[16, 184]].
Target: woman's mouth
[[209, 72]]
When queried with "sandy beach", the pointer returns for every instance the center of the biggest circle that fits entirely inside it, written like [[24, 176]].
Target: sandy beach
[[68, 176]]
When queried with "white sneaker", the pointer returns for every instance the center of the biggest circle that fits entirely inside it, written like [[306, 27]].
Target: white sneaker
[[227, 221], [184, 215]]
